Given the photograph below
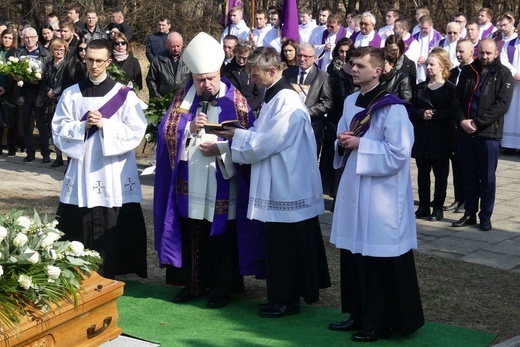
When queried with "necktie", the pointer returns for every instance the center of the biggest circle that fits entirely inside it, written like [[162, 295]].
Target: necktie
[[302, 77]]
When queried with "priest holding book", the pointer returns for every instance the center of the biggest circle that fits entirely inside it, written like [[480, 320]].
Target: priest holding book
[[285, 193], [198, 189]]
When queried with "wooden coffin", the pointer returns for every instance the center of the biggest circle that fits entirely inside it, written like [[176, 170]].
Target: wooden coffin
[[92, 323]]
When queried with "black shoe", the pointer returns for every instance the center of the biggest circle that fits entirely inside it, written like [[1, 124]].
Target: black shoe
[[262, 307], [182, 296], [28, 158], [437, 215], [371, 336], [46, 159], [460, 208], [465, 220], [277, 311], [451, 207], [485, 224], [11, 153], [57, 162], [422, 212], [218, 301], [345, 326]]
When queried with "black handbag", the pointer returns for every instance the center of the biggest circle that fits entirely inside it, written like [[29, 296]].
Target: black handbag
[[8, 115]]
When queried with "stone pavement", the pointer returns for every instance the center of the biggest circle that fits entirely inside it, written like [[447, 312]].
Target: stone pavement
[[498, 248]]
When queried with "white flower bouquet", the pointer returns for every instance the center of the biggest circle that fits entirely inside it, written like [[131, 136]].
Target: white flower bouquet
[[36, 269], [22, 69]]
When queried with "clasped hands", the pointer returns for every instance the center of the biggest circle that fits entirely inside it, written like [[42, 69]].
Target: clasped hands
[[348, 140], [94, 118], [468, 125], [428, 114]]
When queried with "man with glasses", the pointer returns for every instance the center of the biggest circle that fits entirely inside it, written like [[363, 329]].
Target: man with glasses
[[92, 31], [314, 87], [168, 70], [461, 20], [196, 213], [325, 44], [98, 123], [506, 24], [449, 43], [367, 36], [28, 110], [156, 42]]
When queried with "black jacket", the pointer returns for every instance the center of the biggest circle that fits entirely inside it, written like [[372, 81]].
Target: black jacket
[[398, 83], [434, 138], [155, 44], [241, 79], [132, 70], [161, 78], [494, 101], [52, 79], [407, 66], [43, 56], [342, 86]]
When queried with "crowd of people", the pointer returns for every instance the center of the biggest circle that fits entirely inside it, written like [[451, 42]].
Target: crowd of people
[[341, 109]]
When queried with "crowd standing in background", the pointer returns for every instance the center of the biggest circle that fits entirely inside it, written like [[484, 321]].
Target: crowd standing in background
[[346, 77]]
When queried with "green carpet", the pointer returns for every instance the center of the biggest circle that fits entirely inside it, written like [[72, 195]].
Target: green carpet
[[145, 312]]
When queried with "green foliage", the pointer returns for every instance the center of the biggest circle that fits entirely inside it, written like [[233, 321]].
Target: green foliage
[[156, 110]]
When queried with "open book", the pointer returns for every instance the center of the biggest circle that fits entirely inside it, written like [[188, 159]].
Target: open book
[[209, 127]]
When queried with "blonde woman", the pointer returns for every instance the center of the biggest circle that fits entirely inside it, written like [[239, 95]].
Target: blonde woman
[[434, 128]]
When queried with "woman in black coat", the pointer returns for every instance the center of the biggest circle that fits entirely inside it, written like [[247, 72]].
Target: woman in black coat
[[394, 43], [433, 124], [123, 57], [393, 80]]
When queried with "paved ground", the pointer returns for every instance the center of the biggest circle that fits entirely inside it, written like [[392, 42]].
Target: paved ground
[[498, 248]]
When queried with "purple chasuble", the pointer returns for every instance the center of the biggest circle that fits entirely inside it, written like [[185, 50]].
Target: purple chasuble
[[435, 37], [487, 33]]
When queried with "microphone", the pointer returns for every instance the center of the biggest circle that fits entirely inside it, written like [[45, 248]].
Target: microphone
[[205, 98]]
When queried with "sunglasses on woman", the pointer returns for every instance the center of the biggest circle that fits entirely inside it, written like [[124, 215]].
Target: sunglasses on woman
[[120, 43]]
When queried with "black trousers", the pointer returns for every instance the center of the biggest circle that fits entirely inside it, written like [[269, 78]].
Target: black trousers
[[381, 292], [458, 183], [440, 171], [30, 113], [209, 263]]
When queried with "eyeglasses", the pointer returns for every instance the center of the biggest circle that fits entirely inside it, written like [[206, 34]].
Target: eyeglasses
[[305, 56], [82, 49], [59, 49], [452, 33], [120, 43], [30, 37], [97, 61], [365, 24]]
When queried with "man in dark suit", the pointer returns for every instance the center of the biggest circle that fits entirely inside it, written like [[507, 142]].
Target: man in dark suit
[[313, 86]]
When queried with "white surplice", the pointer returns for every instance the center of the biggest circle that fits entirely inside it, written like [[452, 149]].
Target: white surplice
[[102, 169], [511, 136], [306, 30], [285, 179], [374, 211]]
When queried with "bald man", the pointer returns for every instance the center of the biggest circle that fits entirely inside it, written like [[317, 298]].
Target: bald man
[[167, 70]]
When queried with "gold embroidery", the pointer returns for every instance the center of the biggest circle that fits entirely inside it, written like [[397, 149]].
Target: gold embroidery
[[221, 206]]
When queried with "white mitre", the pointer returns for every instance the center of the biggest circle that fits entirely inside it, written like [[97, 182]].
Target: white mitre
[[203, 54]]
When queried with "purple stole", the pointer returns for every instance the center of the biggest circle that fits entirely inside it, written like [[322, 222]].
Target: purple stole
[[511, 50], [436, 37], [342, 32], [407, 42], [376, 41], [171, 202], [360, 123], [487, 33], [109, 108]]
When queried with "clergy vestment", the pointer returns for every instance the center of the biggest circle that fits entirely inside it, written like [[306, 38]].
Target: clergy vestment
[[325, 57], [286, 194], [426, 44], [374, 221], [510, 58], [240, 30], [259, 35], [306, 30], [195, 198], [99, 200]]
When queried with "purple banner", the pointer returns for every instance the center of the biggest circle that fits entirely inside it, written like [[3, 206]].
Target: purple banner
[[290, 29]]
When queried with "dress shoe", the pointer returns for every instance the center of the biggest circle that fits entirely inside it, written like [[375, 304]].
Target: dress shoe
[[182, 296], [485, 224], [277, 311], [262, 306], [218, 301], [345, 325], [57, 162], [371, 336], [28, 158], [465, 220], [11, 153], [460, 209], [437, 215], [46, 159], [422, 212], [451, 207]]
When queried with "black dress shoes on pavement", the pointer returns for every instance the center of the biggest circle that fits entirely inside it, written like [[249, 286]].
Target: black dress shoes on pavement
[[183, 296], [277, 311], [422, 212], [437, 215], [464, 221], [485, 224], [371, 336], [218, 301], [29, 158], [345, 325]]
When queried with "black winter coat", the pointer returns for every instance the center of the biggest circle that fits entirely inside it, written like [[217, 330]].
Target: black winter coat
[[398, 83], [241, 79]]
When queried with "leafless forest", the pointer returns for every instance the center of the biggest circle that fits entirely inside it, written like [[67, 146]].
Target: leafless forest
[[191, 16]]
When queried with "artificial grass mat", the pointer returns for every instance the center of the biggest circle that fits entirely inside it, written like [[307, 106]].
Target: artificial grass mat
[[146, 312]]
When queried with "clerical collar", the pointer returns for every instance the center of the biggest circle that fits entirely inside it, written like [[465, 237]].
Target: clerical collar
[[364, 99], [97, 83], [276, 87]]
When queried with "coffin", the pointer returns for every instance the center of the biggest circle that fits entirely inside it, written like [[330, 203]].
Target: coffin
[[92, 323]]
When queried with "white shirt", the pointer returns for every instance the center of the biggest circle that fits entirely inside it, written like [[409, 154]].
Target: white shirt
[[281, 148], [451, 48], [240, 30], [389, 28], [306, 30], [102, 170], [259, 35]]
